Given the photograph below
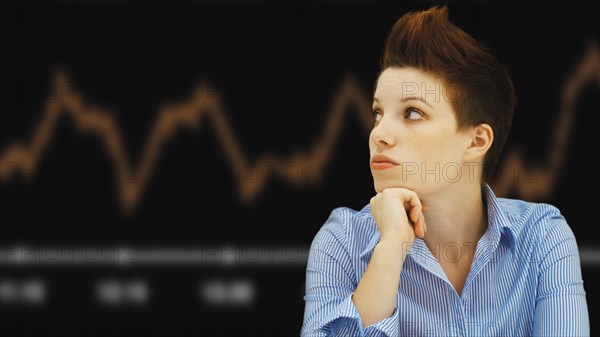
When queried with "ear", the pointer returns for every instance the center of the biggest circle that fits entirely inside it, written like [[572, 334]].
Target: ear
[[481, 138]]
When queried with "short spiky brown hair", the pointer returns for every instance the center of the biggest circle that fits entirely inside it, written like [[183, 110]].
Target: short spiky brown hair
[[478, 86]]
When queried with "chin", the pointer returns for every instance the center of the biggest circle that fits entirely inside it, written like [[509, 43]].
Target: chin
[[381, 184]]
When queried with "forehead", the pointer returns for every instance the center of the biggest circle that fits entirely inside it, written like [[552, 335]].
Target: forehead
[[401, 83]]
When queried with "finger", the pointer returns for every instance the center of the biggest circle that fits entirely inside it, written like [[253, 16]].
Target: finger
[[422, 224], [417, 228], [372, 202], [412, 212], [412, 199], [415, 214]]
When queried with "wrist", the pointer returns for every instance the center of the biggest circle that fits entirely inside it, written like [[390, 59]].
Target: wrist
[[394, 243]]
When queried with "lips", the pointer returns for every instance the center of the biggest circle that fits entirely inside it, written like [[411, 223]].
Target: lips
[[379, 158], [382, 162]]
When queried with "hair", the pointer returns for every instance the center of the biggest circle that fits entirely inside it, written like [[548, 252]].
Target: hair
[[477, 85]]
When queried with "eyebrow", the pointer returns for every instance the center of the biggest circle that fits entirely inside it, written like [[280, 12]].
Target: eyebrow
[[409, 99]]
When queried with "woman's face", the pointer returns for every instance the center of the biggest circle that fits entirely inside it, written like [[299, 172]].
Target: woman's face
[[415, 126]]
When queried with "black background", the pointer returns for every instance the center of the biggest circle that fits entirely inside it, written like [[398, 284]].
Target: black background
[[276, 67]]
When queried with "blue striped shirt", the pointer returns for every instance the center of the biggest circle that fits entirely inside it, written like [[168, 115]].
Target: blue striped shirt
[[525, 278]]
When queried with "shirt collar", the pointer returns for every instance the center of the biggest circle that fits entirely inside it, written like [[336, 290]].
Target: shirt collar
[[498, 224], [497, 218]]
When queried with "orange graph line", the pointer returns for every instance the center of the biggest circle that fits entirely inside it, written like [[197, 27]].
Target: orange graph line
[[203, 103], [537, 182]]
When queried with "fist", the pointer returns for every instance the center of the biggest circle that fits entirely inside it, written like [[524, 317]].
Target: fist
[[398, 214]]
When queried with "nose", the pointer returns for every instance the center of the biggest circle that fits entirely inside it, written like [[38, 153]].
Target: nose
[[381, 136]]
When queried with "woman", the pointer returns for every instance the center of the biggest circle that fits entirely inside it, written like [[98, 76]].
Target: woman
[[436, 252]]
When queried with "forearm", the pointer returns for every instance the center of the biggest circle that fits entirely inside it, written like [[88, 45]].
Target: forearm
[[375, 295]]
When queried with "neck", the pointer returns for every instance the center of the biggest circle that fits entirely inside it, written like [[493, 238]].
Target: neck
[[456, 217]]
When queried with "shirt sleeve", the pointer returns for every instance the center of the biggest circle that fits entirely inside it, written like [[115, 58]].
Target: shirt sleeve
[[561, 308], [330, 285]]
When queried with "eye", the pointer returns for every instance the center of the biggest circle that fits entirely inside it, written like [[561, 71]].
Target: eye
[[377, 115], [410, 112]]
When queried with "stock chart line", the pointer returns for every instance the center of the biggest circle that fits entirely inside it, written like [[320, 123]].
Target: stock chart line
[[204, 105], [537, 182]]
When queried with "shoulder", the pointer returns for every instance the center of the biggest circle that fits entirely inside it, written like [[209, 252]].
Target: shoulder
[[525, 211], [535, 223], [347, 226]]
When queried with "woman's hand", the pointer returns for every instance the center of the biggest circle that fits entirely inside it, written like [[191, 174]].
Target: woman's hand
[[390, 208]]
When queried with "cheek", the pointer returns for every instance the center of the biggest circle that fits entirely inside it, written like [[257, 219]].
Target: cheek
[[420, 144], [445, 149], [430, 147]]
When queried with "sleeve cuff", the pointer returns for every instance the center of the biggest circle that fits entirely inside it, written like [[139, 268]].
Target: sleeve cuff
[[387, 327]]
